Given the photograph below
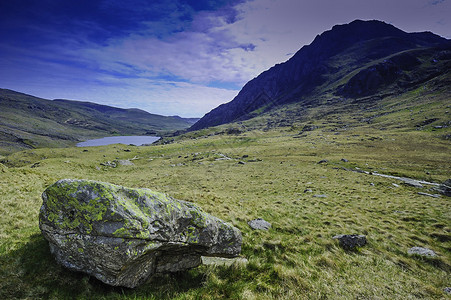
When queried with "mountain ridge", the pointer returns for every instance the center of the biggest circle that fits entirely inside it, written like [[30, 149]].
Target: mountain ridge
[[310, 67], [32, 122]]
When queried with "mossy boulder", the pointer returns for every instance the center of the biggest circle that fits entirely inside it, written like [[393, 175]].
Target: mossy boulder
[[122, 235]]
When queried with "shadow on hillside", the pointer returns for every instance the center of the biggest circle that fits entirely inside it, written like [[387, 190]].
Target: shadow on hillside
[[32, 272]]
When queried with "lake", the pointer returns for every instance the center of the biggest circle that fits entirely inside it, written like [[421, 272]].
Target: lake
[[135, 140]]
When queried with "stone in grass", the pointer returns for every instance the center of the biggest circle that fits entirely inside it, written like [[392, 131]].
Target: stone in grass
[[259, 224], [411, 182], [122, 236], [125, 162], [350, 241], [421, 251], [447, 290]]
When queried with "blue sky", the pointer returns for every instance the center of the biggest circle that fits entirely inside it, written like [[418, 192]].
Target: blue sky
[[174, 57]]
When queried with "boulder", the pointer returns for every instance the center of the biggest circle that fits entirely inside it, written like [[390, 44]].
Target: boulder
[[350, 241], [259, 224], [122, 235]]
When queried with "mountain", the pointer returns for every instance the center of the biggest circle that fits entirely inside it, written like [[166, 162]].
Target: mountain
[[355, 60], [30, 122], [189, 120]]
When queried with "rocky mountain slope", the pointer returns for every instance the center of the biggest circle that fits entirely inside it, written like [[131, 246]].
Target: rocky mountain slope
[[352, 61], [31, 122]]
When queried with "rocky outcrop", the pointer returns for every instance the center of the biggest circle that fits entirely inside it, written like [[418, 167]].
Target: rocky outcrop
[[444, 188], [122, 236]]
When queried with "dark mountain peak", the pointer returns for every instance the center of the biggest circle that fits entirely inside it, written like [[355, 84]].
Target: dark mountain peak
[[344, 47]]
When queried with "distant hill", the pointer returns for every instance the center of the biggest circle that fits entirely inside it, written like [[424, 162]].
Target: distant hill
[[189, 120], [30, 122], [357, 60]]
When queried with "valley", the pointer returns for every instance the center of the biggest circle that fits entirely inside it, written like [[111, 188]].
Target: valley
[[304, 155]]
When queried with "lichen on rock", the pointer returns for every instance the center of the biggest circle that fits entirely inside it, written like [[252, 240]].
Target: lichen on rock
[[122, 235]]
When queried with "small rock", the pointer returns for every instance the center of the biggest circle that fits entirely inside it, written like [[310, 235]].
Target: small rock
[[421, 251], [35, 165], [127, 150], [395, 185], [109, 164], [429, 195], [308, 191], [447, 290], [323, 161], [125, 162], [85, 150], [241, 162], [372, 184], [259, 224], [320, 196], [350, 241], [344, 160]]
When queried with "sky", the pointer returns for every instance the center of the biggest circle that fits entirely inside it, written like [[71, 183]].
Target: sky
[[174, 57]]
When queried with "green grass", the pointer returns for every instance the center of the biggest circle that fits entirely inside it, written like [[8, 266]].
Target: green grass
[[297, 258]]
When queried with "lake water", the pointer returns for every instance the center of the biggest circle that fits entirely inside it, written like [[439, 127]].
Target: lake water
[[135, 140]]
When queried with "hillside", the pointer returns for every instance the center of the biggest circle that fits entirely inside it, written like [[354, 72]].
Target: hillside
[[351, 61], [30, 122]]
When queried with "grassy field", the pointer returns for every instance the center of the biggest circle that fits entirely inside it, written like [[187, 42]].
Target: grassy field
[[297, 258]]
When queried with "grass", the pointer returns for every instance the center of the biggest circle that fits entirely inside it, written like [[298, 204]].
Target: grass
[[297, 258]]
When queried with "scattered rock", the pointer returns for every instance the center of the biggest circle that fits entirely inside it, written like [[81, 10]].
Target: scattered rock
[[127, 150], [241, 162], [110, 164], [320, 196], [447, 290], [308, 191], [122, 236], [421, 251], [350, 241], [309, 127], [323, 161], [125, 162], [35, 165], [412, 182], [259, 224], [85, 150], [395, 185], [344, 160], [221, 261], [372, 184], [429, 195]]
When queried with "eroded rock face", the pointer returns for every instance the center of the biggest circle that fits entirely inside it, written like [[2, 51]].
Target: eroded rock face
[[122, 235]]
